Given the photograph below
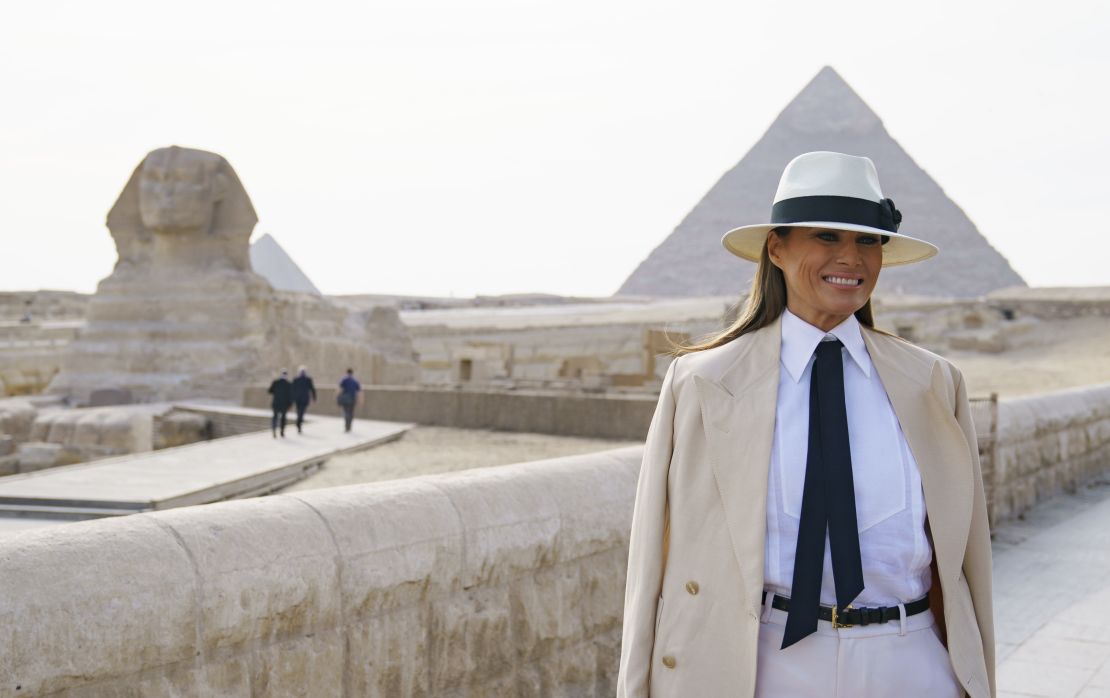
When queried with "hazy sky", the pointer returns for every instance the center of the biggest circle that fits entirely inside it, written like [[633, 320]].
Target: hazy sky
[[443, 147]]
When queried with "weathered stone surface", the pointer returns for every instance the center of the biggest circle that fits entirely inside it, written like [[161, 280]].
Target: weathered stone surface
[[310, 665], [101, 431], [508, 519], [92, 601], [178, 428], [16, 418], [390, 654], [399, 543], [103, 397], [38, 455], [266, 570], [471, 637], [1048, 443]]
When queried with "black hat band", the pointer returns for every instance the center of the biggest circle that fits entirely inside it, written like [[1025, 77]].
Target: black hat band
[[837, 209]]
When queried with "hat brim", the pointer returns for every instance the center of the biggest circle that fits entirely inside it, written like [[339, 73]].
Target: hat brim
[[747, 242]]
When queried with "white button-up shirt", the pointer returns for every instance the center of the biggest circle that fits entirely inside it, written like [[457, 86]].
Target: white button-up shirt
[[890, 504]]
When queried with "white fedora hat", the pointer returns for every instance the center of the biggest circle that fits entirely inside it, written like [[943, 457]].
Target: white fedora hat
[[837, 192]]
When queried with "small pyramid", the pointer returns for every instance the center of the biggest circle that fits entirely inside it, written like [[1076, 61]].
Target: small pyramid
[[826, 115], [275, 265]]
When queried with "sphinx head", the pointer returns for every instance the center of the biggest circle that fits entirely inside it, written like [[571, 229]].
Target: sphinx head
[[179, 189]]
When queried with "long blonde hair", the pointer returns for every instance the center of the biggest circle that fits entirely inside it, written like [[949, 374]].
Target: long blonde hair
[[765, 303]]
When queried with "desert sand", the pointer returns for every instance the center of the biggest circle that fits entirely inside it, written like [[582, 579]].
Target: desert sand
[[425, 450]]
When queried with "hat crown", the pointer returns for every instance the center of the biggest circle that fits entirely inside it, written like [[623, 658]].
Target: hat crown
[[825, 173]]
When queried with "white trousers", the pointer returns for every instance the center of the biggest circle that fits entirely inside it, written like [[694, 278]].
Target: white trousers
[[900, 659]]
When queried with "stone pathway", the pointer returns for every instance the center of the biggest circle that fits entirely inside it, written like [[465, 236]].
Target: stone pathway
[[209, 471], [1052, 598]]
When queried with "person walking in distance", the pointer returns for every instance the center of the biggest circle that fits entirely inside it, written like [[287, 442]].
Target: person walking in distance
[[349, 396], [304, 393], [282, 391]]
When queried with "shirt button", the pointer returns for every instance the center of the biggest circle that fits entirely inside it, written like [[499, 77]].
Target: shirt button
[[692, 587], [668, 661]]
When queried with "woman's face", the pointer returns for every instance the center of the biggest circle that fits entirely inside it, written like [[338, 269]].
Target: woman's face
[[830, 274]]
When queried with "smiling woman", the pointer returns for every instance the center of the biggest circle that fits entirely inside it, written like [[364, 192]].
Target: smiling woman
[[800, 424], [829, 274]]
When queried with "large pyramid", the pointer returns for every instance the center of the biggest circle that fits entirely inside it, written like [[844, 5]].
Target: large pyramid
[[826, 115]]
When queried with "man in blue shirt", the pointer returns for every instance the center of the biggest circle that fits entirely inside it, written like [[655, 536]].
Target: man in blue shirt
[[349, 395]]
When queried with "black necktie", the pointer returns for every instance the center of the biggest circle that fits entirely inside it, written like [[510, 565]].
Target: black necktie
[[828, 501]]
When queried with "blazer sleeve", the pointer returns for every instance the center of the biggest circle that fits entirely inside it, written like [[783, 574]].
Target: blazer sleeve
[[646, 548], [977, 557]]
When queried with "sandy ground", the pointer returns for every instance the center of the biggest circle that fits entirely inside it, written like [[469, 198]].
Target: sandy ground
[[425, 450], [1049, 356]]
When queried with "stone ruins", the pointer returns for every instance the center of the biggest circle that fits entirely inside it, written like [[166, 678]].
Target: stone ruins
[[183, 314], [826, 115]]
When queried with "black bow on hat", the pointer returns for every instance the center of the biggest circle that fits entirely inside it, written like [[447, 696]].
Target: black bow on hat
[[890, 216]]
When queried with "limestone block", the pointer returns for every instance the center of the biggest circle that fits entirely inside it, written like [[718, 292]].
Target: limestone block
[[547, 611], [601, 588], [36, 455], [595, 510], [118, 429], [16, 417], [571, 671], [388, 654], [93, 601], [509, 521], [266, 569], [7, 445], [97, 432], [471, 633], [179, 428], [110, 396], [173, 681], [309, 665], [608, 656], [9, 465], [399, 543]]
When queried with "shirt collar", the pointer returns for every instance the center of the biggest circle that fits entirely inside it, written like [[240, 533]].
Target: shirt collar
[[800, 340]]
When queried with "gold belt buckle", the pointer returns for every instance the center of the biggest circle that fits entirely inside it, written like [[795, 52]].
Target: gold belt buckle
[[837, 624]]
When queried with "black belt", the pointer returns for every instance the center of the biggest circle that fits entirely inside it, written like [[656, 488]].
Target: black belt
[[847, 617]]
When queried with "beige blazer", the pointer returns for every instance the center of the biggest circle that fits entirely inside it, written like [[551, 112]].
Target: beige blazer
[[695, 560]]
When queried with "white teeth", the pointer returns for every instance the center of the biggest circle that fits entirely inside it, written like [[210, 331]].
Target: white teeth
[[840, 280]]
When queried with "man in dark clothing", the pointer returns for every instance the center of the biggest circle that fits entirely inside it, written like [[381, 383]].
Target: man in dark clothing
[[348, 397], [282, 390], [304, 393]]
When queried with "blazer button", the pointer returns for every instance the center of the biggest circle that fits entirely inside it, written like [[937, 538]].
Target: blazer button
[[668, 661], [692, 587]]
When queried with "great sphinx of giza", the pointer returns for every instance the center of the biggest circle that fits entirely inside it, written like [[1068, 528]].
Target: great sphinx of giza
[[183, 315]]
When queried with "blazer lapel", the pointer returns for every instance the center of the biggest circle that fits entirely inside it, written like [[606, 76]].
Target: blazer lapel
[[918, 392], [738, 416]]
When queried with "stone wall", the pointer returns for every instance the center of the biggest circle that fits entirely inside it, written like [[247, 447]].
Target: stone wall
[[501, 581], [603, 416], [1047, 444], [31, 352], [1052, 303]]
